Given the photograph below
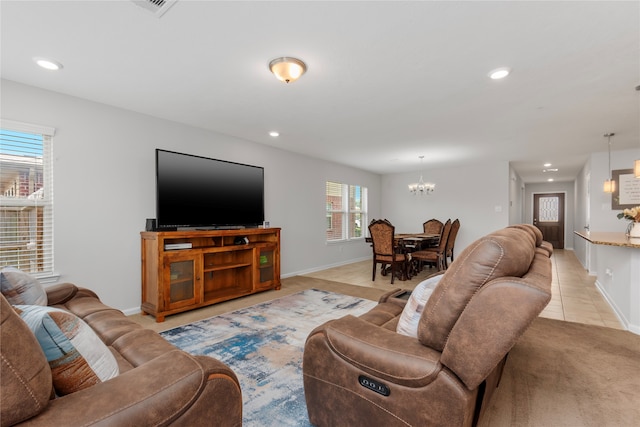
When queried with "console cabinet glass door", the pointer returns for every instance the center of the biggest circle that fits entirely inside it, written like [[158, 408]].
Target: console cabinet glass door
[[266, 266], [182, 286]]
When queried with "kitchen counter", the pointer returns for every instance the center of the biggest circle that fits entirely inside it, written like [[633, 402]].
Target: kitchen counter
[[609, 238], [616, 259]]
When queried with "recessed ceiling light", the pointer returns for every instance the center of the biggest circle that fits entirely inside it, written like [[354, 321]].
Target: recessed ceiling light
[[546, 165], [273, 133], [550, 180], [499, 73], [48, 64]]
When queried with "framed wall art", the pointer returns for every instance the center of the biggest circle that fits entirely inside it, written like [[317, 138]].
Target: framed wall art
[[627, 193]]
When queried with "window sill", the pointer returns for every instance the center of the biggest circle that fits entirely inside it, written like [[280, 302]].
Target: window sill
[[47, 278], [342, 242]]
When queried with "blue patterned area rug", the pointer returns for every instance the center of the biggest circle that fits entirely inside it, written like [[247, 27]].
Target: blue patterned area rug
[[263, 344]]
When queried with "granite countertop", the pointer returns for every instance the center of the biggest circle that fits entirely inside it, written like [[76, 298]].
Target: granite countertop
[[609, 238]]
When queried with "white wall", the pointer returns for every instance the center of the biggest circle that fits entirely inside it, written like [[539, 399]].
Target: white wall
[[478, 195], [516, 198], [104, 189], [582, 214]]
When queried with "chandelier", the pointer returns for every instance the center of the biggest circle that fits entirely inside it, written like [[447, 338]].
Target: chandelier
[[421, 187]]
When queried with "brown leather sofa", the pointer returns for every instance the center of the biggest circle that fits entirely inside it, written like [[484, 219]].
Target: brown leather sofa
[[359, 371], [157, 385]]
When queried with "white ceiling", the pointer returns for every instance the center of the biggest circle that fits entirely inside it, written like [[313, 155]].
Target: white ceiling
[[387, 82]]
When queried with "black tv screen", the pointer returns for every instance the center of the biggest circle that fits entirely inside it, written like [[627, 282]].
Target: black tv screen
[[199, 192]]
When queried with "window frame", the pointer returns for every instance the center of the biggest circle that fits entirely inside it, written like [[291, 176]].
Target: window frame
[[44, 263], [346, 211]]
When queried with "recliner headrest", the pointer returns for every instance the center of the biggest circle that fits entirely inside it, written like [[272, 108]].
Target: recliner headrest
[[505, 253]]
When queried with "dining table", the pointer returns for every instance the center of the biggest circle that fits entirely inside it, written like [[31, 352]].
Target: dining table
[[413, 239], [416, 241], [407, 243]]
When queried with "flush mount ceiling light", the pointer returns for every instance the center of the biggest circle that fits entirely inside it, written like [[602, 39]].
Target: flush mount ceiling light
[[499, 73], [609, 185], [48, 64], [274, 134], [287, 69]]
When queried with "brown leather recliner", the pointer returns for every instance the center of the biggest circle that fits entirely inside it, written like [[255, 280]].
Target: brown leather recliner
[[360, 371], [158, 384]]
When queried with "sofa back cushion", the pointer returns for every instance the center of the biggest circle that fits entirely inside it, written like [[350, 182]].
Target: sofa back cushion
[[26, 376], [494, 319], [76, 355], [505, 253], [21, 288]]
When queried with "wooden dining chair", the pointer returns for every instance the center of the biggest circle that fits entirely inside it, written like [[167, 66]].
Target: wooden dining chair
[[385, 249], [434, 255], [451, 241], [433, 226]]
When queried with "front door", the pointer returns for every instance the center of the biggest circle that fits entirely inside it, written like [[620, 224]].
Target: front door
[[548, 216]]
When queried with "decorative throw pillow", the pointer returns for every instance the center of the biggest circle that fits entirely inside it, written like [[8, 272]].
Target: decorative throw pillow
[[77, 357], [408, 323], [19, 287]]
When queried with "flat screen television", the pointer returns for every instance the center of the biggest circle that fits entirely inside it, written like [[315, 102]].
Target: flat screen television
[[199, 192]]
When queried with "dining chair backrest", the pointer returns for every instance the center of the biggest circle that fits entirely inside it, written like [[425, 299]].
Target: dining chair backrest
[[433, 226], [382, 235], [444, 236], [451, 240]]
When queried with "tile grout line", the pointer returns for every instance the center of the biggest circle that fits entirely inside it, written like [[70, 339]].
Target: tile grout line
[[557, 274]]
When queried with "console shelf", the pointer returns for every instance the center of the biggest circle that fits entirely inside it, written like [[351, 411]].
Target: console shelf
[[208, 267]]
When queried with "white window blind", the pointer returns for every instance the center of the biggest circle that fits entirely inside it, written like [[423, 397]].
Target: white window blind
[[26, 198], [346, 211]]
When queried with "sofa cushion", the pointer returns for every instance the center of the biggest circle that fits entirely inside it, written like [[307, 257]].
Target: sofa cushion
[[77, 357], [25, 373], [21, 288], [408, 323]]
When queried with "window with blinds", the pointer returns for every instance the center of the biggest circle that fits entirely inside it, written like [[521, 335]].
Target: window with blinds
[[26, 198], [346, 211]]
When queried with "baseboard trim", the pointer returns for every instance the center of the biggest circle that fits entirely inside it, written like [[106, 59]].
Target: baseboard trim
[[623, 320]]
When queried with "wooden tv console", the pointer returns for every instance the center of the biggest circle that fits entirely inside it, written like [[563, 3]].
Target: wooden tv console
[[183, 270]]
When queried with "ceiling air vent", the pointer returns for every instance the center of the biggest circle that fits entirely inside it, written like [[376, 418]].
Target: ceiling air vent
[[157, 7]]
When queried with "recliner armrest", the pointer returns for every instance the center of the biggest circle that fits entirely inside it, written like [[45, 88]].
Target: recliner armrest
[[382, 353], [159, 392]]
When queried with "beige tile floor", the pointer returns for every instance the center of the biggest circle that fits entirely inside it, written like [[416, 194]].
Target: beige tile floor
[[574, 298]]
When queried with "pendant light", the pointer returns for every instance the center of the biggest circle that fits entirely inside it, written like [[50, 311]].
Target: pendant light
[[636, 164], [609, 184]]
